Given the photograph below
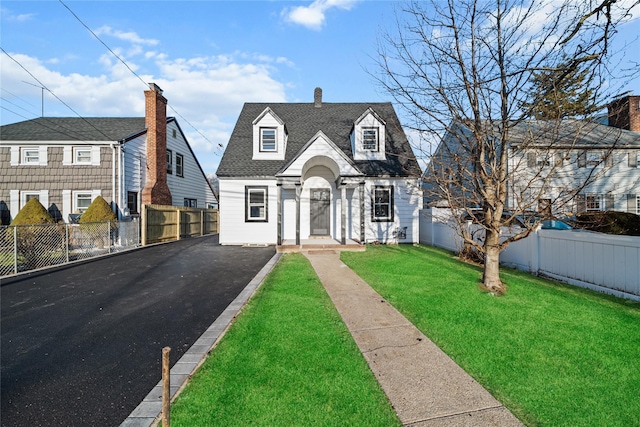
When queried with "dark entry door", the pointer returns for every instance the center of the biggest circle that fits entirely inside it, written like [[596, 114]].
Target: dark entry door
[[320, 211]]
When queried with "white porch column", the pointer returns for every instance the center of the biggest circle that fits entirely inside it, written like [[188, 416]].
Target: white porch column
[[298, 191], [279, 201], [362, 213], [343, 214]]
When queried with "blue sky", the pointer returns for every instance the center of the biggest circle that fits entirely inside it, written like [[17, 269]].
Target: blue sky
[[209, 57]]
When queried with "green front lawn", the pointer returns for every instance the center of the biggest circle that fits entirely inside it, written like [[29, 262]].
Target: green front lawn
[[288, 360], [554, 354]]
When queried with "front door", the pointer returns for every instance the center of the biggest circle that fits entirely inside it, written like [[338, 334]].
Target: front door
[[320, 211]]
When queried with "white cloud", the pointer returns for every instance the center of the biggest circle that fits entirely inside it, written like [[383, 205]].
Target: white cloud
[[128, 36], [207, 92], [314, 15], [10, 16]]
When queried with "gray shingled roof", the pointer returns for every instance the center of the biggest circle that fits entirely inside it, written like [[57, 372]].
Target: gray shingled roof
[[565, 134], [573, 134], [303, 121], [73, 129]]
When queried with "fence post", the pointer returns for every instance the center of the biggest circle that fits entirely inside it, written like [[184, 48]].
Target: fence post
[[143, 226], [179, 225], [15, 249], [166, 388], [109, 236], [202, 222], [66, 237]]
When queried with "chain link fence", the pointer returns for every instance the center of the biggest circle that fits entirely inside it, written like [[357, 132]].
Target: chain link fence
[[28, 247]]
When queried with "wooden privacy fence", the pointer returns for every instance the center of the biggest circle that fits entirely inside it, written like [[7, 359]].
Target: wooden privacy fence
[[162, 223]]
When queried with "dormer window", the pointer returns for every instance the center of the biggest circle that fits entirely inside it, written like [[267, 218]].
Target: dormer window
[[269, 136], [370, 139], [268, 139]]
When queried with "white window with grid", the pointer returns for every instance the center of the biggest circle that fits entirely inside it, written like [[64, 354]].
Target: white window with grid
[[81, 201], [82, 155], [595, 202], [594, 158], [268, 139], [30, 156], [370, 139], [255, 204]]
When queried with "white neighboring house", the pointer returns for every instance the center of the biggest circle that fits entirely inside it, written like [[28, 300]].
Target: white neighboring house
[[297, 171], [605, 156], [67, 162]]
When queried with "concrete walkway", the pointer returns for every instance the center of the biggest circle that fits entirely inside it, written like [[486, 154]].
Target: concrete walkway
[[425, 387]]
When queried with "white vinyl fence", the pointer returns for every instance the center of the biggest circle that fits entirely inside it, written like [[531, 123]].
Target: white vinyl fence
[[29, 247], [603, 262]]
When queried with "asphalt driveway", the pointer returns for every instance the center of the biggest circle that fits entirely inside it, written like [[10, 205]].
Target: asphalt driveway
[[82, 345]]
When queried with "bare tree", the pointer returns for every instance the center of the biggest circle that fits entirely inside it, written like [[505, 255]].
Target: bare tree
[[462, 71]]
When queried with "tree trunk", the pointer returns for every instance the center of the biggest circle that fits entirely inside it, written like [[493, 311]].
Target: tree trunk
[[491, 274]]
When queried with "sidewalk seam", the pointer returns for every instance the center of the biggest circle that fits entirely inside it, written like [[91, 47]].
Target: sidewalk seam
[[440, 417]]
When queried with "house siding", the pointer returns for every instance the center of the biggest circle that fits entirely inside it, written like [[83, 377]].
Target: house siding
[[193, 184], [54, 178], [407, 202], [233, 228], [616, 181]]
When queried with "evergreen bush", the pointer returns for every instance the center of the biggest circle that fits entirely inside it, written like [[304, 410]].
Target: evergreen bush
[[33, 213], [34, 241], [610, 222], [98, 211]]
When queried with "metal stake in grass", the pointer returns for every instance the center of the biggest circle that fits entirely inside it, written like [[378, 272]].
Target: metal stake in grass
[[166, 388]]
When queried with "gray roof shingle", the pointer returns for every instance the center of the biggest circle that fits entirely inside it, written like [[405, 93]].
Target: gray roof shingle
[[303, 121], [73, 129]]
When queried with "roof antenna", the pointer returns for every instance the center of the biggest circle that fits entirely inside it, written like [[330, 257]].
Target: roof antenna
[[41, 87]]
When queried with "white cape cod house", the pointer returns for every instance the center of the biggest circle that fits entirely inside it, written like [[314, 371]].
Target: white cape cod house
[[330, 171]]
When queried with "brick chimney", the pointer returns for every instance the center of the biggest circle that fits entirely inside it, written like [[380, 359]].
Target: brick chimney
[[317, 97], [156, 190], [624, 113]]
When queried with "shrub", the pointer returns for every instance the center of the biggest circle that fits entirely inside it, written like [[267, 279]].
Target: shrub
[[34, 241], [33, 213], [610, 222], [98, 211]]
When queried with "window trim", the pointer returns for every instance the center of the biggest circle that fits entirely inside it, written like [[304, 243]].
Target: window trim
[[248, 190], [74, 200], [133, 211], [366, 129], [24, 157], [25, 194], [594, 158], [390, 202], [77, 150], [275, 139], [598, 198], [169, 162], [180, 165]]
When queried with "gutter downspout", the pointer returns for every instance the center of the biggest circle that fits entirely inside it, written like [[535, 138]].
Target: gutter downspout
[[122, 186], [114, 199]]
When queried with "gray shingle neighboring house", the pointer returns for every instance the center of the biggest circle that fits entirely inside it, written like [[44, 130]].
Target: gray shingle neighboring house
[[295, 171], [567, 154], [67, 162]]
